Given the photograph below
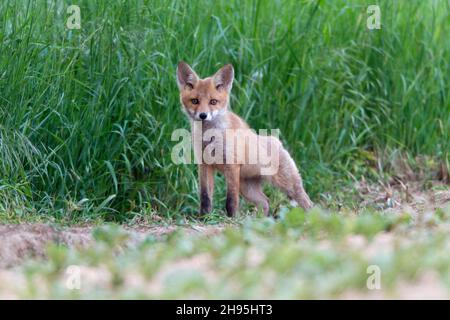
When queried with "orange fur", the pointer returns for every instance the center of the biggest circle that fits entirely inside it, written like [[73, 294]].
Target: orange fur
[[210, 97]]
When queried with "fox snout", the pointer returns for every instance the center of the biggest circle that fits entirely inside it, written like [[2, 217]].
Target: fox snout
[[199, 115], [203, 115]]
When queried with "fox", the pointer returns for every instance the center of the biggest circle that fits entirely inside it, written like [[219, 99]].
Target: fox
[[206, 102]]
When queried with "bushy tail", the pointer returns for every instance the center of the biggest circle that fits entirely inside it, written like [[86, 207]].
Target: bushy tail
[[289, 180]]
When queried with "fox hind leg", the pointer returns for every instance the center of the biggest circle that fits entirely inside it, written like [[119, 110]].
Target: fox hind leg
[[251, 189]]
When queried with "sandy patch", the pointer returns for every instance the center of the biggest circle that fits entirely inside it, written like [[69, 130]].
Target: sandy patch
[[20, 242]]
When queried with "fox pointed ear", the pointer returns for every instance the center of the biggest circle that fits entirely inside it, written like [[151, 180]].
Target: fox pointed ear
[[223, 79], [186, 77]]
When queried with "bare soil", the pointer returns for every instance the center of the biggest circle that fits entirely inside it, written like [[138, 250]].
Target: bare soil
[[414, 197]]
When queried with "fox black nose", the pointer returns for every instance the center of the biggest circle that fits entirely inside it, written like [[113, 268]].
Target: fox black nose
[[203, 116]]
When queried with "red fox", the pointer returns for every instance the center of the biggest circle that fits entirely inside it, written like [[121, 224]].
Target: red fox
[[207, 105]]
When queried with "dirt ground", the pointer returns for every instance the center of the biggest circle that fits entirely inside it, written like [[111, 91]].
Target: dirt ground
[[20, 242]]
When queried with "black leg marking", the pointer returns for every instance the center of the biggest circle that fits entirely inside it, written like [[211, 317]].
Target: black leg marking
[[230, 205], [205, 203]]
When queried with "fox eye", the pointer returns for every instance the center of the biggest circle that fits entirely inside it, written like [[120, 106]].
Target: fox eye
[[194, 101], [213, 102]]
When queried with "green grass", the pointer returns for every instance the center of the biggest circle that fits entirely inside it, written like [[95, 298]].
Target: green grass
[[318, 255], [86, 115]]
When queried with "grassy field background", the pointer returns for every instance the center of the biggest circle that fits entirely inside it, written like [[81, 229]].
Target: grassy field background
[[87, 185], [86, 115]]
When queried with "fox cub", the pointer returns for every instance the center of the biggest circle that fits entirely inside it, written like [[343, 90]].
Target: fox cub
[[207, 105]]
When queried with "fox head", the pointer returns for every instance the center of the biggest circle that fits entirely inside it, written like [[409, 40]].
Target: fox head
[[204, 99]]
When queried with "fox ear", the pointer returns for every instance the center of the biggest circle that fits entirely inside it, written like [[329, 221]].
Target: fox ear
[[186, 77], [223, 79]]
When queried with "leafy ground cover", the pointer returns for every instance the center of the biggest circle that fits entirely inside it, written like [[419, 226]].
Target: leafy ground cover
[[314, 255]]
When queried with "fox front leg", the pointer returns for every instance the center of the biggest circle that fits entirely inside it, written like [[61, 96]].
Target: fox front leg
[[206, 176], [232, 177]]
